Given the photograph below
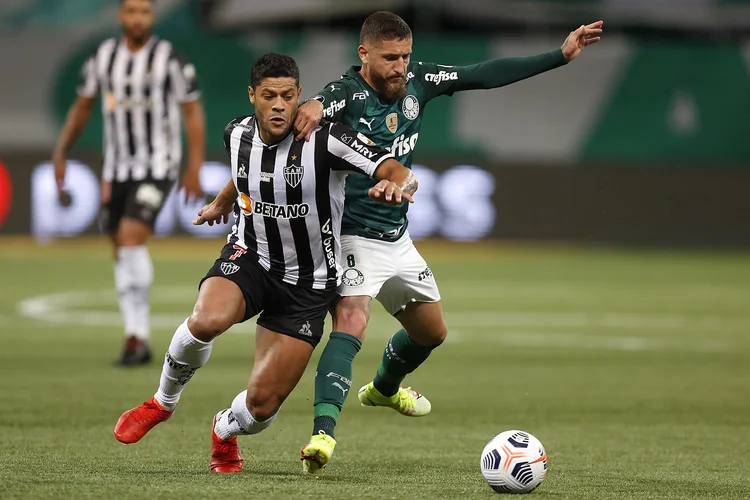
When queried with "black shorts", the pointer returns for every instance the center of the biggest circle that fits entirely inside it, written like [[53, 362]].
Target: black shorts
[[292, 310], [141, 200]]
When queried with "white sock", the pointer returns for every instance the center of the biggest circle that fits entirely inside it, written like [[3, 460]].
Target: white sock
[[185, 355], [238, 420], [125, 293], [134, 274]]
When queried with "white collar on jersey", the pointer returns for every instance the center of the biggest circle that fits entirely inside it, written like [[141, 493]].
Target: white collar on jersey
[[259, 141], [151, 40]]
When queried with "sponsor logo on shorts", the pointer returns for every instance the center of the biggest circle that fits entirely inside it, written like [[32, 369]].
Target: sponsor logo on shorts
[[240, 251], [353, 277], [427, 273], [229, 268], [149, 195], [306, 330]]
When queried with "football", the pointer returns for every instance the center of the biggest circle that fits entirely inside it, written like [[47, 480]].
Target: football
[[514, 462]]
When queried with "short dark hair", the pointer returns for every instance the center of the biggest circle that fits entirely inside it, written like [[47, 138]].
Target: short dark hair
[[273, 65], [383, 25]]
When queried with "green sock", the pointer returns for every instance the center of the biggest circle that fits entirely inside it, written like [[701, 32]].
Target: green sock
[[401, 357], [333, 380]]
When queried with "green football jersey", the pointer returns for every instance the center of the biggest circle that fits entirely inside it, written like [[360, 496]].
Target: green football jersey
[[392, 125], [395, 125]]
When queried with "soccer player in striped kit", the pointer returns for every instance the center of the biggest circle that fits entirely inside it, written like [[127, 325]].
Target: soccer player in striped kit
[[145, 86], [281, 261]]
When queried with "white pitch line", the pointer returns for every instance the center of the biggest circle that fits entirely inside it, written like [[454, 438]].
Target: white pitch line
[[600, 342], [71, 308]]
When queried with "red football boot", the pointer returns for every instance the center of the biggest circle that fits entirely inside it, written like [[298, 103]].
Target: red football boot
[[135, 423], [225, 454]]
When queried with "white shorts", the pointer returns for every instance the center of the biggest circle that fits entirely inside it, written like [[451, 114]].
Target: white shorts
[[393, 272]]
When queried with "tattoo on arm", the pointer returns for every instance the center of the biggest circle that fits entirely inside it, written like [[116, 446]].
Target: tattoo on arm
[[410, 184]]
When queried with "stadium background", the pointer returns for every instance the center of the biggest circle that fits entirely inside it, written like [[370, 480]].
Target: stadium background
[[589, 229]]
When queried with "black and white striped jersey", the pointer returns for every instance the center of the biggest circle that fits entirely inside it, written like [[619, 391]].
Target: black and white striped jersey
[[291, 197], [141, 96]]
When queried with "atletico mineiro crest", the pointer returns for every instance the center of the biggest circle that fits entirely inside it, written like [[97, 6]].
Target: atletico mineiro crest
[[293, 175]]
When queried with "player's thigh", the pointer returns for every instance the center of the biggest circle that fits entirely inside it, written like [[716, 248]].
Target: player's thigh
[[144, 202], [414, 281], [220, 305], [232, 291], [367, 264], [112, 212], [280, 361], [295, 311]]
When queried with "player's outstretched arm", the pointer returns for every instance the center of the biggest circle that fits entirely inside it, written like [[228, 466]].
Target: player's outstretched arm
[[75, 122], [219, 209], [397, 183], [445, 80]]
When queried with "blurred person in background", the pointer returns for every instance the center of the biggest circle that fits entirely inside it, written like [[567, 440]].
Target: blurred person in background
[[384, 99], [144, 83]]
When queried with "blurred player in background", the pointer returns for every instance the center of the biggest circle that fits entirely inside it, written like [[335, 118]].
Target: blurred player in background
[[281, 260], [384, 99], [144, 83]]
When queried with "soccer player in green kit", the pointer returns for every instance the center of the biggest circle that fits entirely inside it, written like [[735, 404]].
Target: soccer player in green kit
[[384, 100]]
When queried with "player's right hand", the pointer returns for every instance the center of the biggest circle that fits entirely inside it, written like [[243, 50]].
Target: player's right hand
[[308, 117], [213, 212]]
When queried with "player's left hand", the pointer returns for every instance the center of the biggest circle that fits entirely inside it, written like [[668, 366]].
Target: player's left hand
[[213, 212], [580, 38], [389, 193], [192, 185]]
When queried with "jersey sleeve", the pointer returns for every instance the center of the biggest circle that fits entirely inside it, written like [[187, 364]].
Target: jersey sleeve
[[334, 98], [349, 150], [240, 122], [183, 78], [228, 135], [438, 79], [88, 85]]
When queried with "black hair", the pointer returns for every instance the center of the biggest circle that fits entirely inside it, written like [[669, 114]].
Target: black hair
[[383, 25], [273, 65]]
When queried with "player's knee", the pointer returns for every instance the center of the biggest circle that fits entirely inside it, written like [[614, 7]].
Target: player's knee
[[352, 315], [430, 335], [205, 326], [263, 403], [440, 333]]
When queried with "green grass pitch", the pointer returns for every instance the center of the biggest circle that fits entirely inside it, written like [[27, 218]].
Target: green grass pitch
[[631, 366]]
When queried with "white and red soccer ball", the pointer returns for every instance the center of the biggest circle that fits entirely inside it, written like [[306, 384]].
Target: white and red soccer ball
[[514, 462]]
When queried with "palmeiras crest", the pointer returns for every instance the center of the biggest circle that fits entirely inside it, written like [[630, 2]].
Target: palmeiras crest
[[293, 175]]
